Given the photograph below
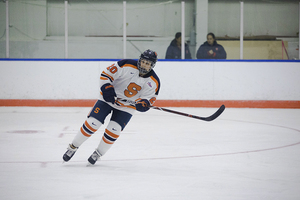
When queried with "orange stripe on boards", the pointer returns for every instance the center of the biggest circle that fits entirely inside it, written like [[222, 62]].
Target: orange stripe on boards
[[48, 102], [160, 103]]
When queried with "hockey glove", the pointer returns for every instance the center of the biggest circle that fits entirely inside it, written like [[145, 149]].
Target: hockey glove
[[142, 105], [108, 92]]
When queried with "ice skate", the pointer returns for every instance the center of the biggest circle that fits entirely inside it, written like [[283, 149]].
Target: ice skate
[[94, 157], [70, 152]]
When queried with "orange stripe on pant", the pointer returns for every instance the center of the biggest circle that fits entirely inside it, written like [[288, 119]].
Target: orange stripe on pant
[[89, 127], [84, 133], [106, 141], [111, 134]]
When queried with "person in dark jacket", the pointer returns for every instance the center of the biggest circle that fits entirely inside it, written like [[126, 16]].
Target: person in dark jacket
[[211, 49], [174, 49]]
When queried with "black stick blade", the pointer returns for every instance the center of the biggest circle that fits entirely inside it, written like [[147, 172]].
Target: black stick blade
[[215, 115], [210, 118]]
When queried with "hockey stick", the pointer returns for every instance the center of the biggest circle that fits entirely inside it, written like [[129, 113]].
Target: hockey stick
[[208, 119]]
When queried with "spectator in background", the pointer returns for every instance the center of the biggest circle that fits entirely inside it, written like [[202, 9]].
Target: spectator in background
[[211, 49], [174, 49]]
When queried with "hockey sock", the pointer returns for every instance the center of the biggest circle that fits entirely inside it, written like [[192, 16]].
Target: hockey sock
[[110, 135], [90, 126]]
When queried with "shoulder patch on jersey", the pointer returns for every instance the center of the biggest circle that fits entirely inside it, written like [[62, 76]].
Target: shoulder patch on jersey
[[149, 83], [155, 78]]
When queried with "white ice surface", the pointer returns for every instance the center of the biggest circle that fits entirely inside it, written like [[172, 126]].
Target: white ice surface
[[245, 154]]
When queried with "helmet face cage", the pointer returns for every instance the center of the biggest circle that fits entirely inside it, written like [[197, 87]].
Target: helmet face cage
[[150, 56]]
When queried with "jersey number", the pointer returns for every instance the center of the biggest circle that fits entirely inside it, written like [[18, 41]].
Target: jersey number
[[113, 69], [132, 90]]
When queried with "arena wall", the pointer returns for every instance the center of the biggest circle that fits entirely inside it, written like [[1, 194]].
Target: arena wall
[[193, 83]]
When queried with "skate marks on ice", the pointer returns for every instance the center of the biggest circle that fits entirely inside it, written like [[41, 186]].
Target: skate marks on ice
[[243, 154], [225, 131]]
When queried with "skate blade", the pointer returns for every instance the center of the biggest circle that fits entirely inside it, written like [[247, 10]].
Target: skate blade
[[89, 164]]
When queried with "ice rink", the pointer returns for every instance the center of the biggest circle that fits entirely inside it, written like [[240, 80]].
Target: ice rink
[[245, 154]]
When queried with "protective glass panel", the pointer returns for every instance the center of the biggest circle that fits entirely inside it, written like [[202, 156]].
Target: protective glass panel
[[95, 28], [154, 24], [2, 31], [270, 28]]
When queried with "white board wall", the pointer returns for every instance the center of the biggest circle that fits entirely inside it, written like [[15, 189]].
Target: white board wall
[[180, 80]]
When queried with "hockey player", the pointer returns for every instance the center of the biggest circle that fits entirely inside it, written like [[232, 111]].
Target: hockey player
[[125, 86]]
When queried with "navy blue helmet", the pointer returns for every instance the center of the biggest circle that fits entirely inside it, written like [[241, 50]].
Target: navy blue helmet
[[150, 56]]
